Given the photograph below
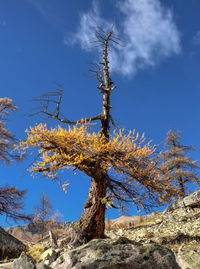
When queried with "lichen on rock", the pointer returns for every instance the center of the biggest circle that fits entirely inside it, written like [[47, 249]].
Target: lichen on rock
[[117, 253], [25, 261]]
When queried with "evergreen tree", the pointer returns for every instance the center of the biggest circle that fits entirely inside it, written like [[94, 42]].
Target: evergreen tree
[[177, 167]]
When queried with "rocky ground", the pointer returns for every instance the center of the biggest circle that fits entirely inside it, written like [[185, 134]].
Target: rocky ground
[[169, 239]]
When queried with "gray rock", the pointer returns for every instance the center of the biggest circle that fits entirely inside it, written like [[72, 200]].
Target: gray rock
[[6, 265], [49, 256], [117, 253], [188, 257], [41, 265], [10, 247], [24, 262], [190, 201]]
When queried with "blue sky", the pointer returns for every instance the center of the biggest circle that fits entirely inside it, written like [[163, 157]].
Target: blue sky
[[156, 70]]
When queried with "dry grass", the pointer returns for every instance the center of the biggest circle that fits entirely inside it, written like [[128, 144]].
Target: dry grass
[[57, 232], [4, 260], [35, 251]]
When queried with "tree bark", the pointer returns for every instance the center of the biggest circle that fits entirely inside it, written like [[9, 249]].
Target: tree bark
[[91, 224], [180, 184], [181, 188], [106, 95]]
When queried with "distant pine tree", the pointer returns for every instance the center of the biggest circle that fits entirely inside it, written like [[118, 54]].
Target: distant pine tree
[[177, 166]]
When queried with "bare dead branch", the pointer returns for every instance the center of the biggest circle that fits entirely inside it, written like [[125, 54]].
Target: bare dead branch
[[46, 101]]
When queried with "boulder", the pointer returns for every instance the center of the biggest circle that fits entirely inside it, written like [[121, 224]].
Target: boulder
[[188, 256], [10, 247], [188, 202], [116, 253], [192, 200], [24, 262]]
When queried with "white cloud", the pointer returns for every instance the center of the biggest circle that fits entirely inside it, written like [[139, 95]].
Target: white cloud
[[88, 25], [146, 27], [196, 39]]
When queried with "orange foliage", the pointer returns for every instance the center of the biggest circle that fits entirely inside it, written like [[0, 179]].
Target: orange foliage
[[6, 138], [130, 163], [61, 148]]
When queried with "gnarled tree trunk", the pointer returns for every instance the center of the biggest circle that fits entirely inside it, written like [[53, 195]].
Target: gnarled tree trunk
[[91, 224]]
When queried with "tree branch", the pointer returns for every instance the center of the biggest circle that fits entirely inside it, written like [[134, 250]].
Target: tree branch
[[47, 100]]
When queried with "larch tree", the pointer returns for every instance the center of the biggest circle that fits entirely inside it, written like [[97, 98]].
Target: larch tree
[[11, 203], [177, 167], [11, 199], [6, 138], [121, 166], [42, 213]]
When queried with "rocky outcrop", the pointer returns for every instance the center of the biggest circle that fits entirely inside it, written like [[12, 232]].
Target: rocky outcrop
[[169, 239], [178, 228], [10, 247], [116, 253], [24, 262], [186, 204]]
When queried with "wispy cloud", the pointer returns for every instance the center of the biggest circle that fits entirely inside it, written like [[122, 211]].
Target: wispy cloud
[[38, 5], [88, 24], [146, 27], [196, 39], [49, 10]]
